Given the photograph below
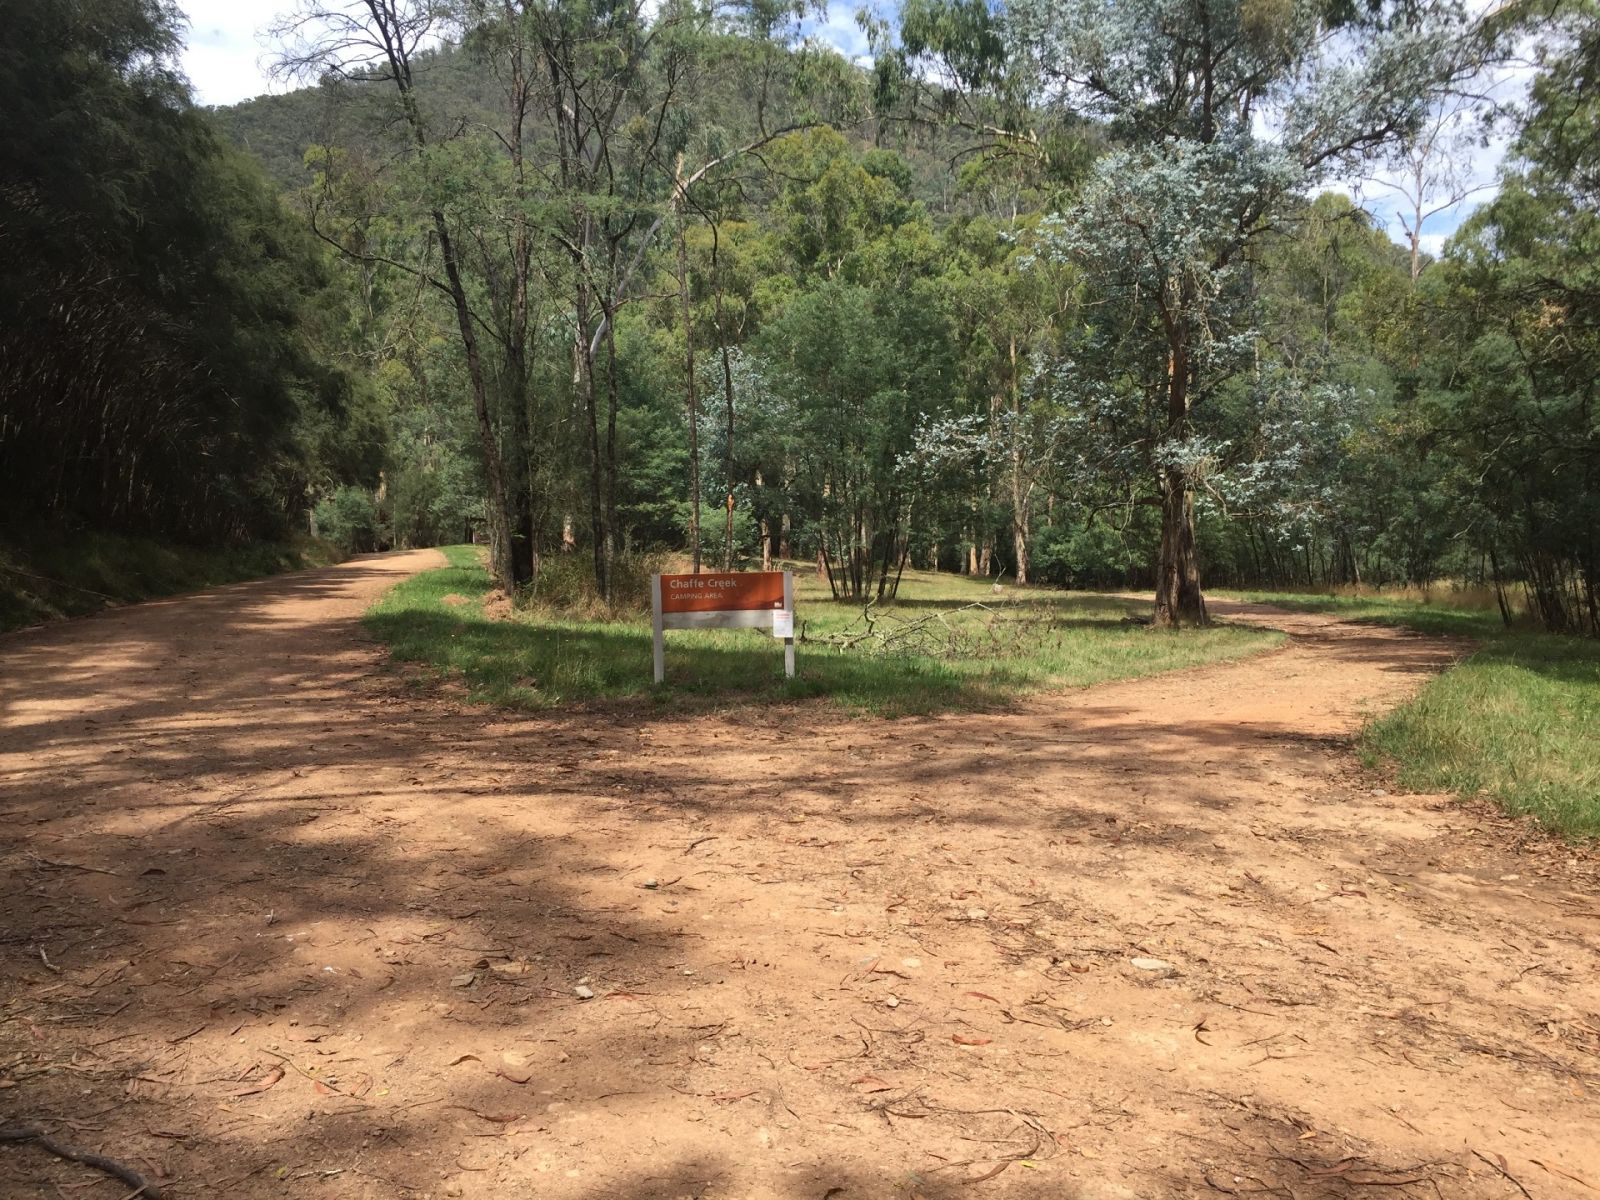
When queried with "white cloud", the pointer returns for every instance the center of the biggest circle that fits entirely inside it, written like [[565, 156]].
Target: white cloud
[[1433, 243], [840, 30], [226, 53]]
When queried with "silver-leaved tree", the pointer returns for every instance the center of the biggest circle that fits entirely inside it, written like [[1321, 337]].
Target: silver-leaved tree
[[1217, 114]]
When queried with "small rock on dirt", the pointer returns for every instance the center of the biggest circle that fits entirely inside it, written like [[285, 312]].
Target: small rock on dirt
[[466, 980], [1151, 964], [583, 992]]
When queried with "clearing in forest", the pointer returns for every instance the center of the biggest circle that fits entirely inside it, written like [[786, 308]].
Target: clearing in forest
[[945, 643], [273, 924]]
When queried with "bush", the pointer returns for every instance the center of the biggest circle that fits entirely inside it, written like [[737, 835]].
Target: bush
[[1095, 555], [349, 519], [565, 584]]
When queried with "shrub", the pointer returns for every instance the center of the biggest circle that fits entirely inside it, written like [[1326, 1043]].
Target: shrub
[[565, 584], [349, 519]]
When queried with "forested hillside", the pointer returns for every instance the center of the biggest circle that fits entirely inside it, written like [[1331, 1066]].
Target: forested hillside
[[1058, 291]]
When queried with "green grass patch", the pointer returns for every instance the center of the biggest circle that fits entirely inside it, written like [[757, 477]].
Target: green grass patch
[[1518, 721], [50, 574], [1022, 640]]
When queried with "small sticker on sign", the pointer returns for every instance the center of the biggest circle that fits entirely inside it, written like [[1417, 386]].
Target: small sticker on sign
[[783, 624]]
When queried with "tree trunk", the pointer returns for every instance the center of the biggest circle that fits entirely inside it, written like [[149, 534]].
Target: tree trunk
[[1499, 589], [1020, 488], [1019, 532], [501, 556], [1179, 601], [727, 394], [1178, 598], [765, 525], [611, 449], [517, 425], [597, 525], [1021, 503], [691, 400]]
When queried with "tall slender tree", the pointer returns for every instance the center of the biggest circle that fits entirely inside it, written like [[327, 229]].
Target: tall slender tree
[[376, 42]]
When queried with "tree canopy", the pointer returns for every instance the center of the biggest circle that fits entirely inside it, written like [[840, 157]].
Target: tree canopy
[[165, 326]]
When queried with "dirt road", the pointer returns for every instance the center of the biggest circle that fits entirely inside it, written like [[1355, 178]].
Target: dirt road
[[273, 924]]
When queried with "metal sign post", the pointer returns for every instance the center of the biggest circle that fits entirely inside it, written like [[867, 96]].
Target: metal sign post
[[783, 625], [727, 600]]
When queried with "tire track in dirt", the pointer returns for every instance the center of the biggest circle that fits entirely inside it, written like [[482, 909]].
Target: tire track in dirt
[[341, 947]]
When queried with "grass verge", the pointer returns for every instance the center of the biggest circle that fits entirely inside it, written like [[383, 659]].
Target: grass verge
[[964, 657], [50, 575], [1517, 722]]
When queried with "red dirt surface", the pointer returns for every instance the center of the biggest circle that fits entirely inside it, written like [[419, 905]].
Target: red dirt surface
[[272, 923]]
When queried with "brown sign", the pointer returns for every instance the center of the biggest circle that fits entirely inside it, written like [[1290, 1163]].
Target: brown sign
[[740, 591]]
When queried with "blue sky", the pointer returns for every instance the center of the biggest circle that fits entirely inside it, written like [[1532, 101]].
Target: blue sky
[[227, 59]]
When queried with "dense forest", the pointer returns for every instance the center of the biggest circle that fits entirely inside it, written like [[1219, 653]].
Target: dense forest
[[1060, 291]]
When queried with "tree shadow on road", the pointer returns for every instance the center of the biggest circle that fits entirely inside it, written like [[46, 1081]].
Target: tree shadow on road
[[271, 924]]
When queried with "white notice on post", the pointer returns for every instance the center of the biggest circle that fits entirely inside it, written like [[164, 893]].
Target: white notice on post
[[783, 623]]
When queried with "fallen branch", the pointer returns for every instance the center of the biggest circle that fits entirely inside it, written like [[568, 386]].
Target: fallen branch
[[987, 1175], [883, 632], [1503, 1168], [34, 1133], [72, 866]]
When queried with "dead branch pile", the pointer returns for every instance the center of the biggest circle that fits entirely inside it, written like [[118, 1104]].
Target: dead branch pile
[[971, 631]]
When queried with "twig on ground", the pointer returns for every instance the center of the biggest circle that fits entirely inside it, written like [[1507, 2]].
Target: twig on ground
[[1510, 1178], [990, 1174], [880, 632], [71, 866], [35, 1133]]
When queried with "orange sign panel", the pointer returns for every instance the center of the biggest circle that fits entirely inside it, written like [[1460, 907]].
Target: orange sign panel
[[741, 591]]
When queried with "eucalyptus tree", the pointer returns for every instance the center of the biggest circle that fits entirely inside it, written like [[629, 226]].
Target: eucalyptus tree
[[160, 370], [1010, 309], [858, 352], [609, 76], [1431, 172], [1327, 472], [1219, 111], [377, 43], [632, 98], [855, 365], [1517, 305]]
